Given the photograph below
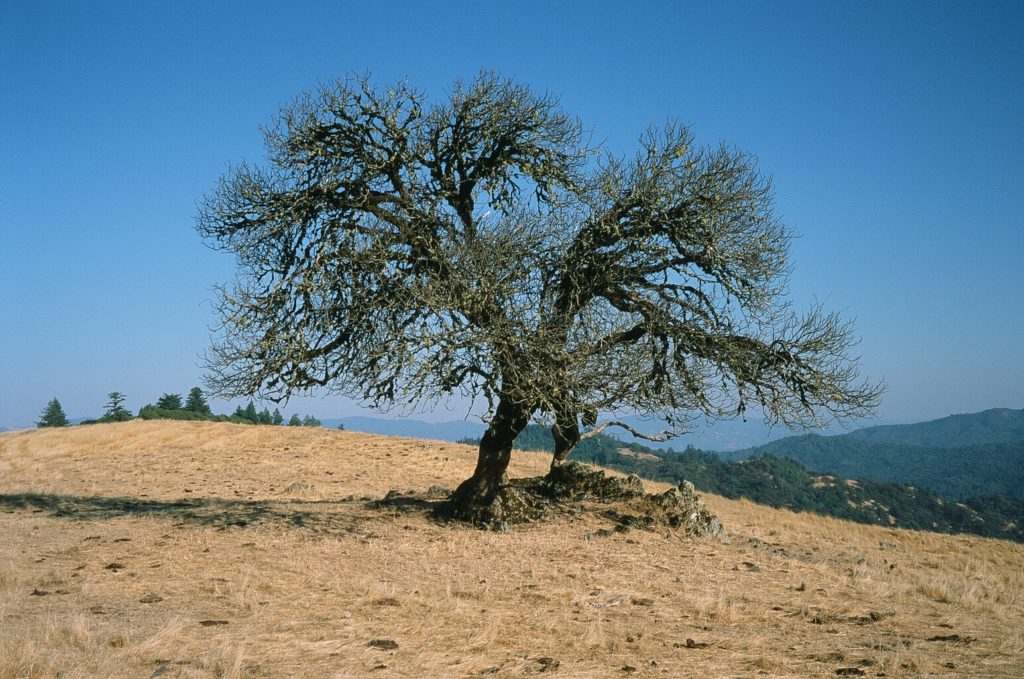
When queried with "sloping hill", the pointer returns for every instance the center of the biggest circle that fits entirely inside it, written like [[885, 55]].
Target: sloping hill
[[181, 549], [998, 425], [958, 457]]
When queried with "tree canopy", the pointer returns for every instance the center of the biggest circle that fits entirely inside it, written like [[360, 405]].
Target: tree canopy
[[169, 402], [396, 248]]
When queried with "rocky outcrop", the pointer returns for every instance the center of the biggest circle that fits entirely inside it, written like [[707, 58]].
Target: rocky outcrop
[[576, 487]]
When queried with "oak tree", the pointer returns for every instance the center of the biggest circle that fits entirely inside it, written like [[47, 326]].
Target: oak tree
[[396, 248]]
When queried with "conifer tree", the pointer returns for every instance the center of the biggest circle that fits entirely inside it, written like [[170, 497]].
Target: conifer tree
[[196, 401], [169, 402], [116, 412], [53, 415]]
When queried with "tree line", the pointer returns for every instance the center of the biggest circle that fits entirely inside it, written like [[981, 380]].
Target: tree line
[[171, 406]]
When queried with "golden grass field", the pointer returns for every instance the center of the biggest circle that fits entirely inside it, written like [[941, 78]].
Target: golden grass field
[[177, 549]]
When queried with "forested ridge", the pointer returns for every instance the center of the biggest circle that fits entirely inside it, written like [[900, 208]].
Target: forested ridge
[[959, 456]]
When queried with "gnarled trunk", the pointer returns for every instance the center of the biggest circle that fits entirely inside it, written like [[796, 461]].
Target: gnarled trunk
[[479, 491], [566, 432]]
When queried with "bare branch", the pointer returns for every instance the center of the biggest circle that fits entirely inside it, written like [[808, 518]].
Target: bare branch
[[660, 437]]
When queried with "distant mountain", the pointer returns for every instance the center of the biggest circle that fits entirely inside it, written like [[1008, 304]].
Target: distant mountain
[[999, 425], [444, 431], [958, 456]]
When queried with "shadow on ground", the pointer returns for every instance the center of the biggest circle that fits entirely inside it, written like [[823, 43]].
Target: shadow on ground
[[327, 516], [571, 489]]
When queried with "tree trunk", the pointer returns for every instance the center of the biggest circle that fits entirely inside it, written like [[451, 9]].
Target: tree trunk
[[566, 432], [479, 490]]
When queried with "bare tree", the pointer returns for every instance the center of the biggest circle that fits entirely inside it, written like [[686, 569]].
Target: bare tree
[[395, 249]]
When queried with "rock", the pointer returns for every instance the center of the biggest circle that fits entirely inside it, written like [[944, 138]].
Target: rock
[[298, 487], [690, 643], [850, 672], [547, 664], [383, 644], [685, 509], [151, 598], [577, 481], [212, 623]]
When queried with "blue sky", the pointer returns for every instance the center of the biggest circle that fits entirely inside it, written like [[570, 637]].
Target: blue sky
[[894, 133]]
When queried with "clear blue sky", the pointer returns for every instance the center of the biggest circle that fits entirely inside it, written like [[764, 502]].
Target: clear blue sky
[[894, 132]]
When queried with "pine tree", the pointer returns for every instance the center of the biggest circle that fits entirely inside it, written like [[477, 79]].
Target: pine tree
[[310, 421], [295, 421], [277, 417], [53, 415], [264, 417], [196, 402], [250, 413]]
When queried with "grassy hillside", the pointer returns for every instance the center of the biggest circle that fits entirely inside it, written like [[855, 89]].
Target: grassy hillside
[[194, 549]]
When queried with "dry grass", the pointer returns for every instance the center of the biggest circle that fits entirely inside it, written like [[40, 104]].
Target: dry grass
[[120, 541]]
